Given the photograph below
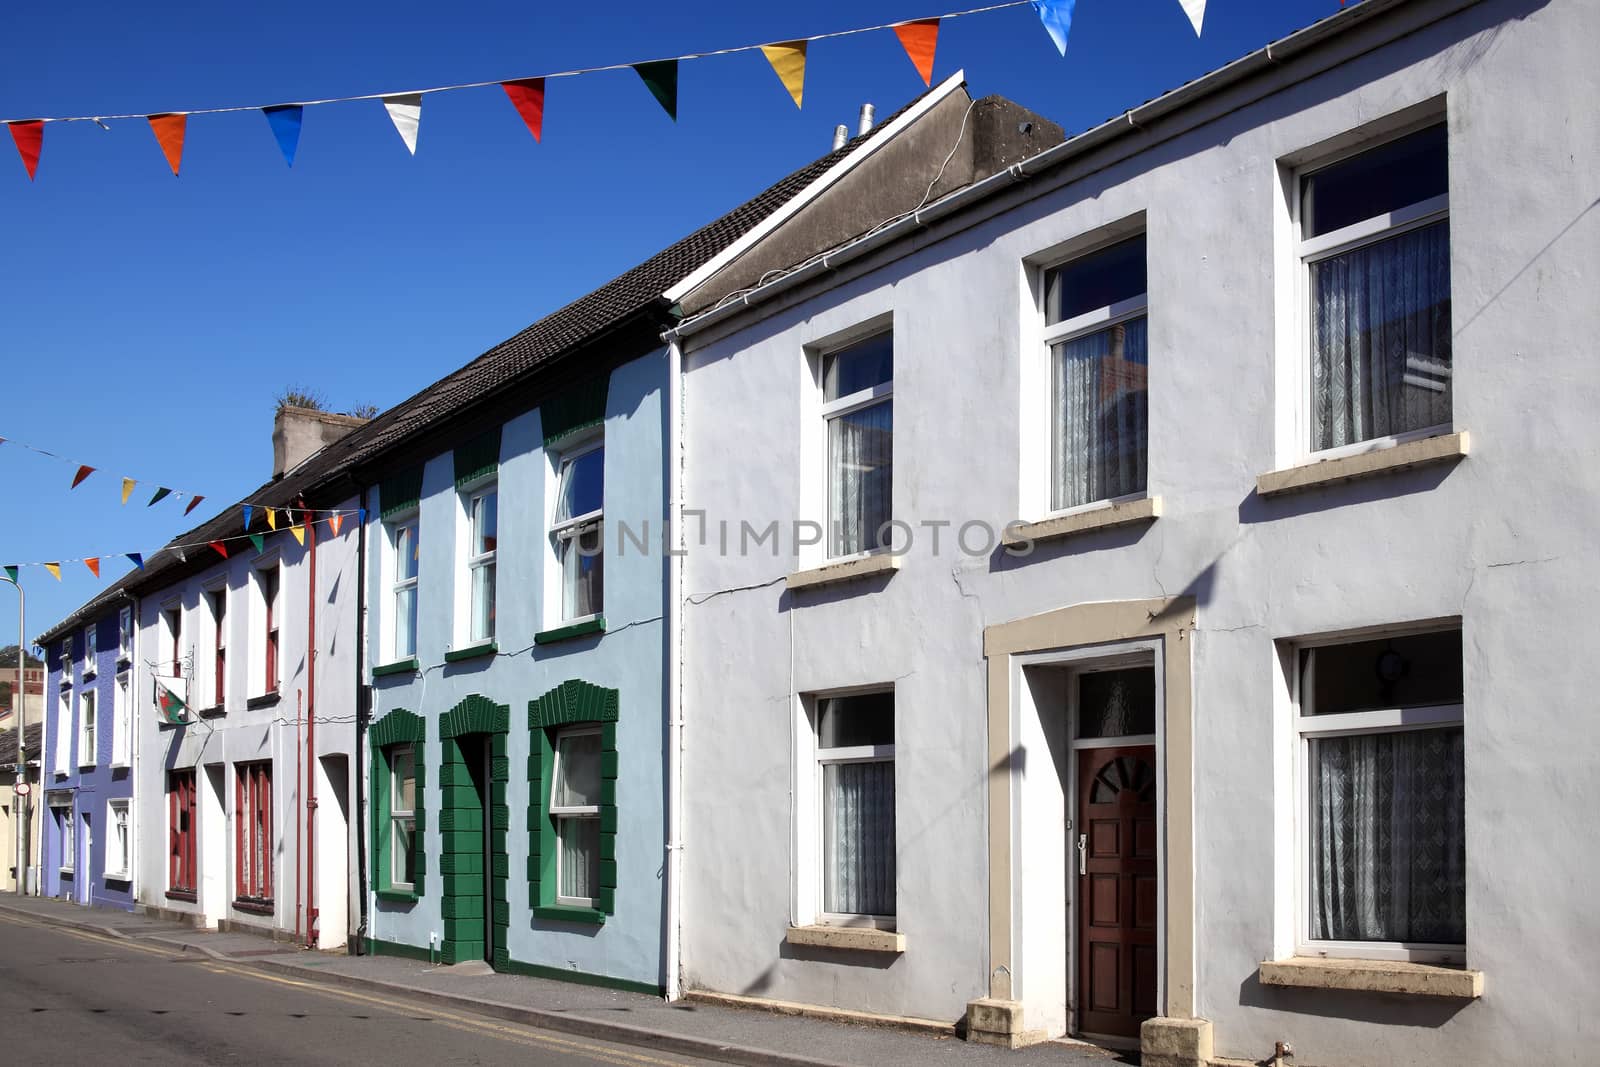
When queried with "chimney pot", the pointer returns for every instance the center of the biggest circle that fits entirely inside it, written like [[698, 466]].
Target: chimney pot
[[841, 134], [867, 113]]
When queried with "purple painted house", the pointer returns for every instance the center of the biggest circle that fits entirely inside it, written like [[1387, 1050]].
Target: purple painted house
[[87, 773]]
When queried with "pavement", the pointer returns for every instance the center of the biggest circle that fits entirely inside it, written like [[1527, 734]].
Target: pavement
[[687, 1028]]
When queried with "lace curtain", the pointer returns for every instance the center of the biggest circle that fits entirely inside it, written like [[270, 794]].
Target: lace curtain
[[1102, 415], [861, 451], [1388, 846], [1380, 339], [858, 822]]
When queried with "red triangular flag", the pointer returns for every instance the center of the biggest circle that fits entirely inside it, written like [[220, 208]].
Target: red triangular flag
[[93, 563], [194, 502], [919, 39], [221, 549], [83, 472], [169, 134], [527, 97], [30, 138]]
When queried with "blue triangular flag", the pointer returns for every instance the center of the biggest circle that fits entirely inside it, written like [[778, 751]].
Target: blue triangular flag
[[248, 511], [361, 516], [136, 559], [1057, 18], [285, 122]]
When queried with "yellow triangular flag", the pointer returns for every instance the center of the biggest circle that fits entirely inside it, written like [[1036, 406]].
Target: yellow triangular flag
[[789, 63], [299, 533], [54, 569], [127, 488], [272, 518]]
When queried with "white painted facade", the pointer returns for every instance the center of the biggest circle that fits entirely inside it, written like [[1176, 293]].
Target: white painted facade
[[1501, 541], [252, 728]]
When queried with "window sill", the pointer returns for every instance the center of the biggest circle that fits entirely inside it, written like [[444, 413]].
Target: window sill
[[849, 570], [188, 895], [265, 700], [86, 766], [483, 648], [399, 666], [852, 938], [1445, 448], [1106, 517], [253, 905], [116, 766], [594, 625], [399, 896], [1373, 976], [569, 913], [86, 676], [119, 876], [211, 712]]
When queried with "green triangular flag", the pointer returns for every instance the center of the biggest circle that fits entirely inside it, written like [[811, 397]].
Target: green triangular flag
[[11, 573], [661, 78], [169, 703], [259, 541], [161, 491]]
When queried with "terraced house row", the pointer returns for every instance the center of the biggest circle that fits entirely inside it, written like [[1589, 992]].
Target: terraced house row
[[1118, 586]]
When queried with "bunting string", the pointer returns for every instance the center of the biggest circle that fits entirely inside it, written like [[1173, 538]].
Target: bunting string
[[918, 37]]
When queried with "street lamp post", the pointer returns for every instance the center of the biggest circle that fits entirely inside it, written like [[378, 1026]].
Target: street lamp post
[[23, 803]]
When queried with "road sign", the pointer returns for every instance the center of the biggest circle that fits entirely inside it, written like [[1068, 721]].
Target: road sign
[[23, 788]]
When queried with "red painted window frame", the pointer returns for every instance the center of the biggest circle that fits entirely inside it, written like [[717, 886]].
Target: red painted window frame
[[182, 871], [252, 817], [219, 612], [269, 590]]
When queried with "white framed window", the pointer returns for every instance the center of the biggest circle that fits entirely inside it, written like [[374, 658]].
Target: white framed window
[[402, 816], [125, 635], [62, 741], [1381, 785], [577, 529], [122, 721], [265, 629], [1372, 237], [858, 412], [88, 720], [66, 830], [218, 601], [119, 842], [172, 626], [575, 808], [1097, 335], [855, 809], [406, 555], [482, 508], [91, 650]]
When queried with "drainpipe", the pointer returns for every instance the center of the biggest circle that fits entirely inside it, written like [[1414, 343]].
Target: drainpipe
[[299, 798], [674, 669], [363, 710], [311, 737]]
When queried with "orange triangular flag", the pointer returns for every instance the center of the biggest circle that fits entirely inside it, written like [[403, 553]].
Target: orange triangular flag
[[83, 472], [336, 523], [919, 39], [299, 534], [55, 569], [127, 488], [93, 563], [527, 97], [789, 63], [169, 134]]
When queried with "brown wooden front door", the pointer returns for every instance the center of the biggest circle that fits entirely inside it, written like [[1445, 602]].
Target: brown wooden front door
[[1114, 853]]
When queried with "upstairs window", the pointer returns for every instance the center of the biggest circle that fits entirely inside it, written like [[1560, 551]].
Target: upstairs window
[[87, 723], [1374, 235], [91, 649], [1097, 329], [125, 635], [403, 588], [858, 407], [577, 530], [269, 578], [219, 632], [174, 625], [483, 522], [121, 722]]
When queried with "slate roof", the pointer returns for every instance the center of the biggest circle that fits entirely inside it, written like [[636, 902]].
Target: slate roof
[[539, 345], [8, 744]]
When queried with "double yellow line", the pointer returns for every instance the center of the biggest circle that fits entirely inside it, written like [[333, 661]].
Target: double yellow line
[[454, 1020]]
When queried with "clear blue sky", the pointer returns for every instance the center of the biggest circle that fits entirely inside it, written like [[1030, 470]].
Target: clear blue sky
[[149, 321]]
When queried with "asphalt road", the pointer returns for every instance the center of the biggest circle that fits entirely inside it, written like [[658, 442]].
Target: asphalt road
[[74, 997]]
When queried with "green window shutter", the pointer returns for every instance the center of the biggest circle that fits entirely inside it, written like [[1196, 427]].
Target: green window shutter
[[478, 457], [582, 406], [400, 492]]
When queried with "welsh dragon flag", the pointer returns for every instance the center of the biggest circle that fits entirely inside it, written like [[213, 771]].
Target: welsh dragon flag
[[168, 703]]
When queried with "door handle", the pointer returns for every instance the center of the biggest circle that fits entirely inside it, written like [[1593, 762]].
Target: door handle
[[1083, 853]]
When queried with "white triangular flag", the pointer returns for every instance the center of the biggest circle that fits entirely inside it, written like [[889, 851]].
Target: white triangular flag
[[1196, 10], [406, 112]]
